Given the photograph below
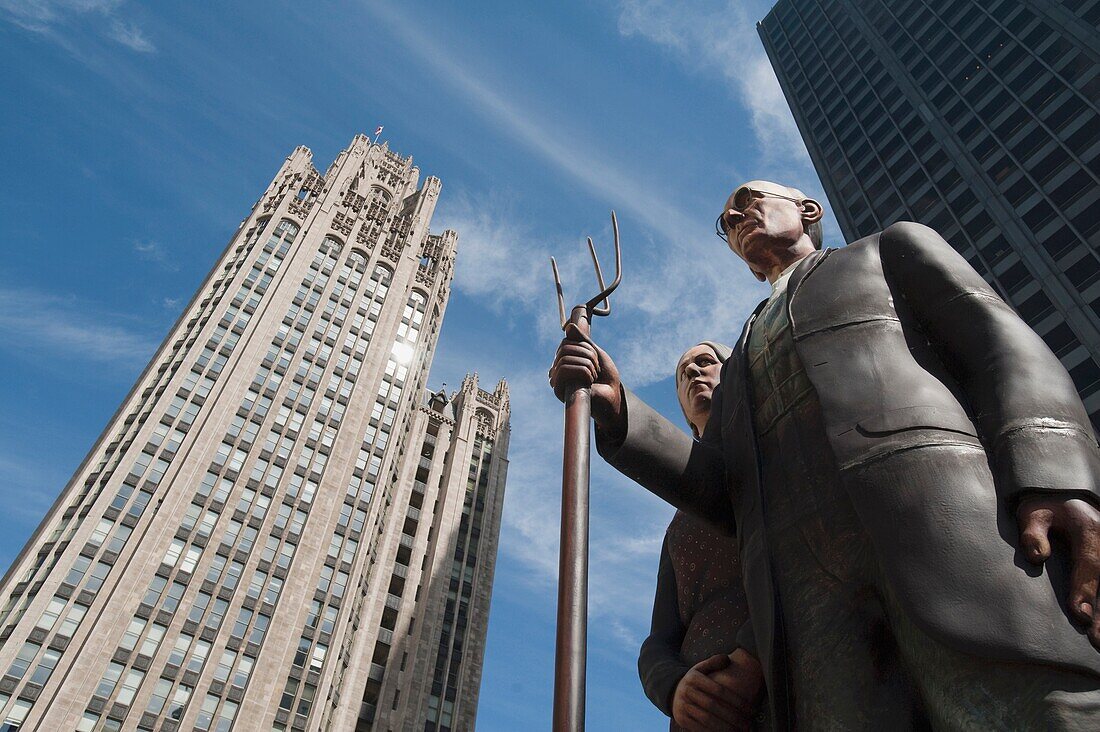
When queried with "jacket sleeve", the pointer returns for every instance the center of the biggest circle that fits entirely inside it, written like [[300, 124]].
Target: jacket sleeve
[[659, 665], [689, 474], [1024, 404]]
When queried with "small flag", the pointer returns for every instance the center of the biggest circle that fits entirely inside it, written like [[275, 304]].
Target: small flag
[[378, 131]]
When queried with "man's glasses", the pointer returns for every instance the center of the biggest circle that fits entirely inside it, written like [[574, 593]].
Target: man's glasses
[[743, 197]]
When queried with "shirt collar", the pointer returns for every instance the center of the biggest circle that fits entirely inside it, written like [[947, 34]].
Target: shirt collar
[[780, 284]]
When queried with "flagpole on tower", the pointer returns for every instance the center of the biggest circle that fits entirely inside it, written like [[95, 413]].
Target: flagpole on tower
[[377, 132]]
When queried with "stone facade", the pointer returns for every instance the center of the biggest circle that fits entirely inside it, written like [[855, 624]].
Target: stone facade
[[455, 490], [238, 549]]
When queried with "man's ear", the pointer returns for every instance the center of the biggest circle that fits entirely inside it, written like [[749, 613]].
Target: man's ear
[[758, 275], [812, 211]]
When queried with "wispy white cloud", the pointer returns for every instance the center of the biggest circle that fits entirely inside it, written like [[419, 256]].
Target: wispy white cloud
[[584, 162], [27, 486], [499, 262], [41, 15], [51, 17], [69, 328], [674, 264], [150, 250], [154, 251], [505, 264], [719, 37], [667, 299], [130, 35]]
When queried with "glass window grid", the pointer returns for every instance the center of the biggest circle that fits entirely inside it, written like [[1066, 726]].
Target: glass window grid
[[1021, 129], [980, 268], [462, 572], [891, 210], [831, 105]]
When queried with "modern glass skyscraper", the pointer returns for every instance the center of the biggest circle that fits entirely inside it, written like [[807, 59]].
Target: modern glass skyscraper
[[978, 118], [269, 528]]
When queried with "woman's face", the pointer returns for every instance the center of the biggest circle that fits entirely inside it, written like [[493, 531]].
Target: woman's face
[[697, 373]]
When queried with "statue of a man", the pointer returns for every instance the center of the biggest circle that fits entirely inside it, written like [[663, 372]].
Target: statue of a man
[[896, 450]]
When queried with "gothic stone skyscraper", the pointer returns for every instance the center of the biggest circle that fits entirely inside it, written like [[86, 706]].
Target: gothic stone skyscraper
[[976, 117], [432, 677], [278, 530]]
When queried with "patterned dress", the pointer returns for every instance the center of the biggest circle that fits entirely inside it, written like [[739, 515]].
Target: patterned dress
[[698, 609]]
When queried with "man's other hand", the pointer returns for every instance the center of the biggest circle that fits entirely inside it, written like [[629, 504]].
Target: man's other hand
[[1076, 522], [581, 363], [701, 704]]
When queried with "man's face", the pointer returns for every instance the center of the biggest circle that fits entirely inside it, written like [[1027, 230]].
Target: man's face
[[767, 223], [697, 374]]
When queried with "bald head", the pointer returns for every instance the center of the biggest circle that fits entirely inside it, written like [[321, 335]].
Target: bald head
[[771, 226], [771, 187]]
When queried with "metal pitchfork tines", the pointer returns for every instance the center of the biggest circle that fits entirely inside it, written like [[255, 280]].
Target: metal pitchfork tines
[[572, 635], [592, 307]]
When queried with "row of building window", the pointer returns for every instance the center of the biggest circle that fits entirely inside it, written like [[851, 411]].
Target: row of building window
[[448, 664], [298, 695], [1035, 151], [176, 421], [70, 522], [238, 537], [230, 458], [251, 626]]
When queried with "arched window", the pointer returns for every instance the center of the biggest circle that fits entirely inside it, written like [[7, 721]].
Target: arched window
[[328, 255], [485, 419], [379, 282], [370, 305], [280, 240], [357, 259], [284, 232], [351, 273], [380, 194], [257, 229]]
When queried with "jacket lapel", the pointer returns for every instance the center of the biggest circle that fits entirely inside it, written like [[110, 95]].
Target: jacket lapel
[[804, 269]]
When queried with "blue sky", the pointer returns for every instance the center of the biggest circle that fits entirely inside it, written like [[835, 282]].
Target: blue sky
[[137, 135]]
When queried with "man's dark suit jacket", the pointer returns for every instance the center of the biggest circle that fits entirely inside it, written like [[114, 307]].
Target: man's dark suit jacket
[[902, 339]]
